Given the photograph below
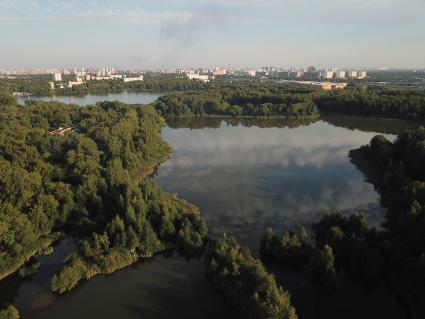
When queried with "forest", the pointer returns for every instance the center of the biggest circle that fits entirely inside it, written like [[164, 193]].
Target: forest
[[88, 183], [245, 282], [270, 99], [150, 82], [339, 244], [92, 183], [397, 171], [39, 85], [375, 102], [241, 99]]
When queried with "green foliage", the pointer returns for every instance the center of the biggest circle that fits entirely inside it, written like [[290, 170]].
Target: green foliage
[[9, 263], [340, 244], [244, 281], [192, 234], [91, 182], [9, 313], [79, 268], [265, 99], [7, 99], [407, 104], [39, 85], [400, 179], [48, 251], [354, 246], [242, 99], [29, 270], [291, 248], [381, 149], [323, 266]]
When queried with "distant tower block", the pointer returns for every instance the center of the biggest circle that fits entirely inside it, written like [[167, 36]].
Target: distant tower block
[[57, 77]]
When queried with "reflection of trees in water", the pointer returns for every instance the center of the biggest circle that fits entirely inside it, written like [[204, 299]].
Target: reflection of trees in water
[[216, 122], [245, 180], [244, 201], [375, 125]]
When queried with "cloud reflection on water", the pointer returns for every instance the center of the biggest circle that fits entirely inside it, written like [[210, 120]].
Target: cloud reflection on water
[[245, 179]]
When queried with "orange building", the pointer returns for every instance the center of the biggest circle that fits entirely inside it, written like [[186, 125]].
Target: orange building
[[331, 86]]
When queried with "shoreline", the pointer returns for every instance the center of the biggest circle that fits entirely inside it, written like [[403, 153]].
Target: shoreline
[[41, 244], [263, 117]]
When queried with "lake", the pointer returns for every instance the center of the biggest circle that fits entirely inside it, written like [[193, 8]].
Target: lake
[[245, 175], [130, 97]]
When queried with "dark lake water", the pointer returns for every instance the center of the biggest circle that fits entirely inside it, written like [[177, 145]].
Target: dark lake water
[[245, 175], [130, 97]]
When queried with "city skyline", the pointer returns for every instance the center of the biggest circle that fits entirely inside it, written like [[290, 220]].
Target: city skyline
[[185, 33]]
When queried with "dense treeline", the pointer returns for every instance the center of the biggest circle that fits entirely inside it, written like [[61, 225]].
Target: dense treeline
[[391, 103], [244, 281], [255, 99], [153, 83], [39, 85], [88, 181], [150, 219], [289, 100], [340, 245], [397, 170]]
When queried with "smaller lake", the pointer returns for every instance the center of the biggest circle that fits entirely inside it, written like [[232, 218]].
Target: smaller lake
[[129, 97]]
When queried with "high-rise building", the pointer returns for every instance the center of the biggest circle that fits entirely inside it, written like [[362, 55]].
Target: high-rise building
[[340, 74], [311, 73], [361, 74], [352, 74], [296, 74], [328, 74], [57, 77]]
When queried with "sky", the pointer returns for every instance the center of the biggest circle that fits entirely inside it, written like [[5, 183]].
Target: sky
[[149, 34]]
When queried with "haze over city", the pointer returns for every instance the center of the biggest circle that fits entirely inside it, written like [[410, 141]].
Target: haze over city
[[203, 33]]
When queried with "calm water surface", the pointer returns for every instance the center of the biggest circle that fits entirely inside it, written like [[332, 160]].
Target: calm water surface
[[130, 97], [245, 175]]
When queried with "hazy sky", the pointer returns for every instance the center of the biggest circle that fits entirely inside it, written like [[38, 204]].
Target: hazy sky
[[182, 33]]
